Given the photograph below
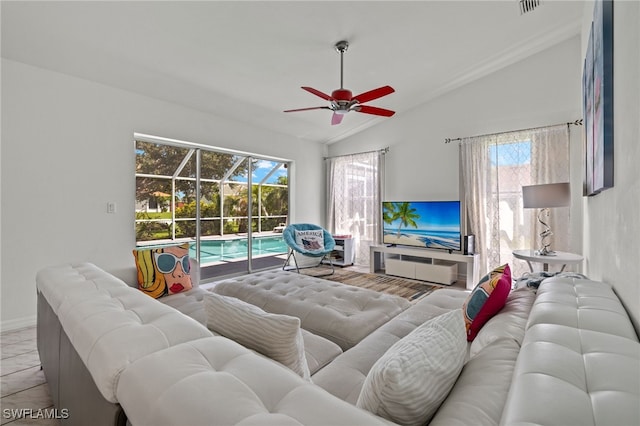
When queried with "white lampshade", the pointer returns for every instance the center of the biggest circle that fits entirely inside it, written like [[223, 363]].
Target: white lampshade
[[546, 195]]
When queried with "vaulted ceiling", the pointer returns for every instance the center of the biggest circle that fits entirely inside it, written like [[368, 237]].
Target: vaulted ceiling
[[246, 60]]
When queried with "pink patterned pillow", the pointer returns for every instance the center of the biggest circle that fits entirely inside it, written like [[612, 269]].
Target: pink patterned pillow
[[486, 299]]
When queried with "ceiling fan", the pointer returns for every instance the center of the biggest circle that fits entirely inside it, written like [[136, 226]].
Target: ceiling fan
[[341, 100]]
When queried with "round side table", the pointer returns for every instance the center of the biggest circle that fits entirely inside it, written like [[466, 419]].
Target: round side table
[[557, 258]]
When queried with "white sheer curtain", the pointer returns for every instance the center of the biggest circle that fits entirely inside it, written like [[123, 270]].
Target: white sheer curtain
[[354, 186], [494, 169]]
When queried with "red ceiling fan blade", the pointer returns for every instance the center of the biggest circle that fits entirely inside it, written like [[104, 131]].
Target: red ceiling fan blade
[[307, 109], [374, 110], [374, 94], [336, 118], [317, 93]]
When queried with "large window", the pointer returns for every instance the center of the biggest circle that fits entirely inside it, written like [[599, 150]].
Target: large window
[[354, 199], [510, 165], [208, 197], [494, 170]]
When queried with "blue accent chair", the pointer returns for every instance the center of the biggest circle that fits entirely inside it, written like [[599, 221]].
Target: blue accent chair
[[289, 235]]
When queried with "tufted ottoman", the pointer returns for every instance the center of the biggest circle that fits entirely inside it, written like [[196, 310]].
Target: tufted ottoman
[[341, 313]]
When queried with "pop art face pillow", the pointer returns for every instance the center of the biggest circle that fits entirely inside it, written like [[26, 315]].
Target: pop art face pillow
[[163, 271]]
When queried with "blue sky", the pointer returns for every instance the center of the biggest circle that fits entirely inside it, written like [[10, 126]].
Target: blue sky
[[511, 154], [260, 170]]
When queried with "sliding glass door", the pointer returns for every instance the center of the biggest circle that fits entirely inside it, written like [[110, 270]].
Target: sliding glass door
[[229, 206]]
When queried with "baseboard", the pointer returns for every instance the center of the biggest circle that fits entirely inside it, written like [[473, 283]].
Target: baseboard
[[18, 323]]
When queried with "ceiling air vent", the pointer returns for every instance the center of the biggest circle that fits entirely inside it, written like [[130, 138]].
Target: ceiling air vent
[[528, 5]]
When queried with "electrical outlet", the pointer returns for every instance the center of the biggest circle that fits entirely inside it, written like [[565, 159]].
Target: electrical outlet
[[111, 207]]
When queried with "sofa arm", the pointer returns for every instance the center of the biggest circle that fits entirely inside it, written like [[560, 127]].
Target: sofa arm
[[108, 323]]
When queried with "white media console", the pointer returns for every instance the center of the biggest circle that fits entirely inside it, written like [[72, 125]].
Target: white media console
[[437, 266]]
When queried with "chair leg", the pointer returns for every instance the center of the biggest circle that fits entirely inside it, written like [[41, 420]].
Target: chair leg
[[333, 268], [286, 262], [295, 262]]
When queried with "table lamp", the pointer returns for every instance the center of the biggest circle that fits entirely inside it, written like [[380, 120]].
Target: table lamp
[[544, 197]]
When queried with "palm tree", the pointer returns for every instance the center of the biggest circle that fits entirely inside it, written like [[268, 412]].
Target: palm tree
[[406, 216], [389, 213]]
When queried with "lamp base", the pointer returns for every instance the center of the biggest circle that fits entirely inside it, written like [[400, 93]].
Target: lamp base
[[545, 235]]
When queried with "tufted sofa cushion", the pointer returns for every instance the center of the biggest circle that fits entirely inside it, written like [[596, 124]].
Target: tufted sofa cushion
[[341, 313], [318, 351], [479, 395], [583, 304], [189, 303], [221, 382], [509, 323], [579, 360], [109, 323], [345, 376], [595, 373], [58, 282]]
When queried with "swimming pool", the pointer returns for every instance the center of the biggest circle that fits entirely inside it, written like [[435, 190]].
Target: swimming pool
[[234, 249]]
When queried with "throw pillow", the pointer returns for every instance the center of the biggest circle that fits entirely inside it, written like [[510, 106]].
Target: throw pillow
[[279, 337], [410, 381], [509, 323], [312, 240], [163, 271], [486, 299]]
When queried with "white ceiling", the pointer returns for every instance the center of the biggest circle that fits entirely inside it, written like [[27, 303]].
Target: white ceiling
[[247, 60]]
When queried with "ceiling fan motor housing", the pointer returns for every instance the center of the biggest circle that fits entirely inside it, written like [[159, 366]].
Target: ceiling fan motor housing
[[342, 95]]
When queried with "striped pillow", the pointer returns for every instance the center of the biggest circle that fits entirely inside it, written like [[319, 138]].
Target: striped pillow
[[278, 337], [410, 381]]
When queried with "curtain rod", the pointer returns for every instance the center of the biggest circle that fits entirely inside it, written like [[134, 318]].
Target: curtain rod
[[382, 150], [577, 122]]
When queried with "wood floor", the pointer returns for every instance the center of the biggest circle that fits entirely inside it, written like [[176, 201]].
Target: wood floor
[[24, 395]]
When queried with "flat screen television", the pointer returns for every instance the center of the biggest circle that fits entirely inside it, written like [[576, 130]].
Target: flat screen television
[[427, 224]]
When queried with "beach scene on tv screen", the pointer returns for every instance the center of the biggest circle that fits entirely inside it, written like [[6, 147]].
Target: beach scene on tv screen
[[422, 224]]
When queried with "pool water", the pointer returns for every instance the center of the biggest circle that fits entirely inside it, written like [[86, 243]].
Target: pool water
[[221, 250]]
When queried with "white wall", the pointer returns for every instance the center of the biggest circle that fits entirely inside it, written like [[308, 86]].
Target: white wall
[[612, 218], [541, 90], [67, 149]]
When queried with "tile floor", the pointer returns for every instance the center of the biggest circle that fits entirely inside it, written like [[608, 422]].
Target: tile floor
[[23, 387]]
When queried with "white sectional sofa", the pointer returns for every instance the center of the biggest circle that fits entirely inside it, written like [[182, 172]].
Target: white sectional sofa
[[566, 355]]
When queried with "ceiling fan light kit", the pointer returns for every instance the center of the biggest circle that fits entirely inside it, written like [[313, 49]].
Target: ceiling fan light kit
[[342, 101]]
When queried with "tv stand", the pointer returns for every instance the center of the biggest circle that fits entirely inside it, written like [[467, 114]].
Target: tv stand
[[423, 264]]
